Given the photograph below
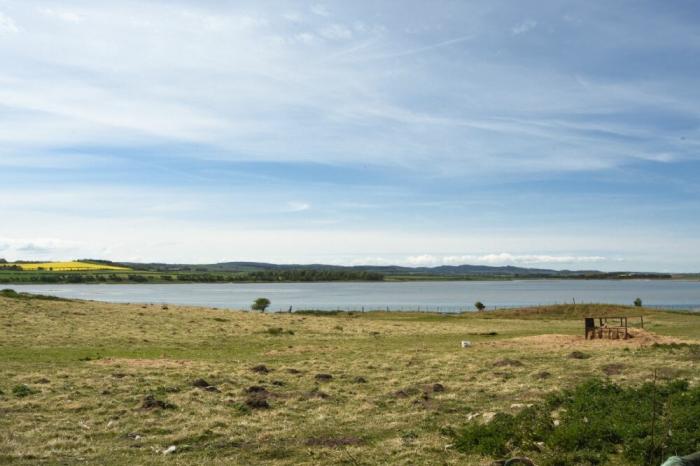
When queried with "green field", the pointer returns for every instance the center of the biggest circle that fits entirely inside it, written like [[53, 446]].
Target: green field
[[97, 383], [71, 266]]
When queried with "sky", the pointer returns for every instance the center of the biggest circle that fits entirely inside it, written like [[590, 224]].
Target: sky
[[559, 134]]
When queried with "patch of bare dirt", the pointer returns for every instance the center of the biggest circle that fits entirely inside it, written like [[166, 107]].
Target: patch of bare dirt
[[433, 388], [638, 338], [315, 393], [258, 390], [204, 385], [260, 369], [148, 363], [257, 402], [613, 369], [506, 362], [150, 403]]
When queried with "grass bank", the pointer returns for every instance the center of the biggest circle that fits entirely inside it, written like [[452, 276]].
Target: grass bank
[[98, 383]]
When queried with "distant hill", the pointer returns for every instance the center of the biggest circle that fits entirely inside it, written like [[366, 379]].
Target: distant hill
[[384, 269], [389, 270]]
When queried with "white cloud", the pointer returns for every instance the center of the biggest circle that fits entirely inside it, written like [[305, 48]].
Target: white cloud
[[504, 258], [427, 260], [251, 89], [525, 26], [320, 10], [63, 15], [336, 32], [423, 260], [63, 161], [293, 17], [305, 37], [20, 248], [297, 206], [7, 24]]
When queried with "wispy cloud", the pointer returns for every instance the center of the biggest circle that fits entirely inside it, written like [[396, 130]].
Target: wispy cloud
[[14, 248], [336, 32], [338, 76], [298, 206], [525, 26], [63, 15], [503, 259], [7, 24], [320, 10]]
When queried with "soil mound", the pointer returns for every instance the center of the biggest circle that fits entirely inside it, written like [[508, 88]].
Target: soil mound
[[638, 338]]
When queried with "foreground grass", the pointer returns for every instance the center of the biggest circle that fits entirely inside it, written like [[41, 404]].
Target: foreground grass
[[74, 377]]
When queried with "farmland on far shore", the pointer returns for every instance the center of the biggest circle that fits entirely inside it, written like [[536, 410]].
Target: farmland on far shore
[[61, 266]]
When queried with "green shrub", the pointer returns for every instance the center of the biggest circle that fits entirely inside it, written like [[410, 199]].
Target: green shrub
[[597, 419], [9, 293], [260, 304], [20, 391]]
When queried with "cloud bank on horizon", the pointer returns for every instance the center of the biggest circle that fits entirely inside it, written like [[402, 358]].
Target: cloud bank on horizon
[[540, 133]]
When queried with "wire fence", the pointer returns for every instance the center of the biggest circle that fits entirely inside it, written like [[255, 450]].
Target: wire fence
[[451, 309]]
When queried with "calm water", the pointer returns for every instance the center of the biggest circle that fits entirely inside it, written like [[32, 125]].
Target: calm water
[[437, 296]]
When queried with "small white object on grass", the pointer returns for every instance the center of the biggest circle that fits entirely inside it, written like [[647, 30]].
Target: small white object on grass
[[170, 449], [466, 343]]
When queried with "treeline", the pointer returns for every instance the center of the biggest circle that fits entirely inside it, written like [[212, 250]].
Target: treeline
[[307, 275], [73, 277], [204, 277], [617, 276]]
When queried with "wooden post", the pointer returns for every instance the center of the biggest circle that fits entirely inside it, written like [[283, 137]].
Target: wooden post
[[589, 328]]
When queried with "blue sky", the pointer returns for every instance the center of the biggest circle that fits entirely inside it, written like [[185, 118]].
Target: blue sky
[[545, 133]]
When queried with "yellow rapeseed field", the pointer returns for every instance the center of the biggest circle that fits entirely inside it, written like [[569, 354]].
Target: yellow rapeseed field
[[64, 266]]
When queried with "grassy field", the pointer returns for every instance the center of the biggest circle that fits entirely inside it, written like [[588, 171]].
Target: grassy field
[[97, 383], [62, 266]]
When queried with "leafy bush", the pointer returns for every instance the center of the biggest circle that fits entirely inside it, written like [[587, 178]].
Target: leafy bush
[[9, 293], [260, 304], [20, 391], [596, 420], [12, 294]]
